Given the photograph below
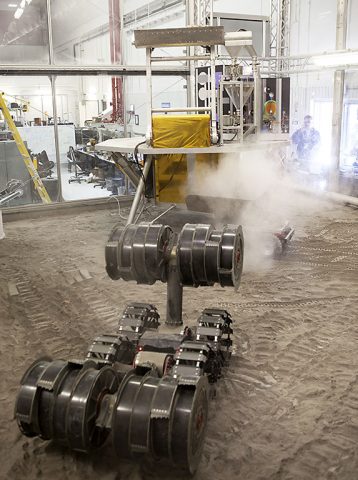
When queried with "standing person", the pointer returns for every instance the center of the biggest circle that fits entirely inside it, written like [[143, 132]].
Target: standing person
[[306, 139]]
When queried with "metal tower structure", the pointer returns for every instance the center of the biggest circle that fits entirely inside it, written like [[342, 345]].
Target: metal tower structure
[[198, 13], [280, 43], [280, 29], [203, 12]]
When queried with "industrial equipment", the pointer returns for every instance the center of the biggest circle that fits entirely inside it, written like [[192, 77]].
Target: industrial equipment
[[224, 113], [239, 89], [42, 163], [284, 235], [13, 189], [149, 389]]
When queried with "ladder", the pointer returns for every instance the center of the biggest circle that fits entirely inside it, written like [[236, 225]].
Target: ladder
[[40, 188]]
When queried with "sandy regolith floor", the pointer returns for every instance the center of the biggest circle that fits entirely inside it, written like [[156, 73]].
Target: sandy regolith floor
[[287, 408]]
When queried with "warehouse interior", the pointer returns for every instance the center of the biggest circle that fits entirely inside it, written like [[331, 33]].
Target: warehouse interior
[[179, 239]]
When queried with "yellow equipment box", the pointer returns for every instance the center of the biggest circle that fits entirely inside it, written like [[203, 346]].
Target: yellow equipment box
[[177, 131]]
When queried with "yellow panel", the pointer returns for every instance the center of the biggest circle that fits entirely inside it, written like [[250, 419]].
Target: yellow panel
[[176, 131], [181, 131], [171, 178]]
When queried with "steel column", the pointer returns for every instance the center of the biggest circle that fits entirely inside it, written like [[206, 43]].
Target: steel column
[[149, 135], [57, 139], [280, 44], [54, 103], [338, 92], [116, 54], [214, 133], [174, 294], [190, 21]]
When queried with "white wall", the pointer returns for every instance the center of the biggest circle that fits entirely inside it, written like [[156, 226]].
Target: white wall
[[313, 26], [352, 37]]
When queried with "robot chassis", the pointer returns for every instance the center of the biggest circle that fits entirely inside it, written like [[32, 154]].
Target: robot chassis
[[149, 390]]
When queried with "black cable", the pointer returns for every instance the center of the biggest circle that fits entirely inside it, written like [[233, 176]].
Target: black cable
[[172, 175], [233, 138], [135, 154]]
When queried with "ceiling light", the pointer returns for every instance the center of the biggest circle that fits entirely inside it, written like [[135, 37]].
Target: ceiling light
[[18, 13], [28, 1], [12, 5], [22, 4]]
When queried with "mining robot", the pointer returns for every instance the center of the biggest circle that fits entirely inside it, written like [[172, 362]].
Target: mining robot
[[149, 389]]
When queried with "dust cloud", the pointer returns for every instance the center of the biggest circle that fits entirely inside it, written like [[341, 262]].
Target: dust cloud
[[260, 194]]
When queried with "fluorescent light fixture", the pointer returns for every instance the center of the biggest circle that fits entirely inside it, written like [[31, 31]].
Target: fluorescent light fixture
[[335, 59], [18, 13], [12, 5], [22, 4]]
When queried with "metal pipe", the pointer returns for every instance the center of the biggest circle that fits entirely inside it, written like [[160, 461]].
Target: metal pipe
[[182, 58], [241, 131], [214, 133], [176, 70], [181, 109], [221, 113], [257, 95], [11, 196], [139, 190], [163, 213], [190, 21], [279, 102], [211, 15], [174, 293]]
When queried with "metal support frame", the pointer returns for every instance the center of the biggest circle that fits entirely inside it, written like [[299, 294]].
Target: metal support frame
[[198, 13], [214, 132], [148, 56], [293, 64], [140, 189], [280, 43], [203, 12], [190, 51], [210, 108], [338, 91], [92, 70], [257, 94], [239, 84], [280, 28], [116, 54]]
